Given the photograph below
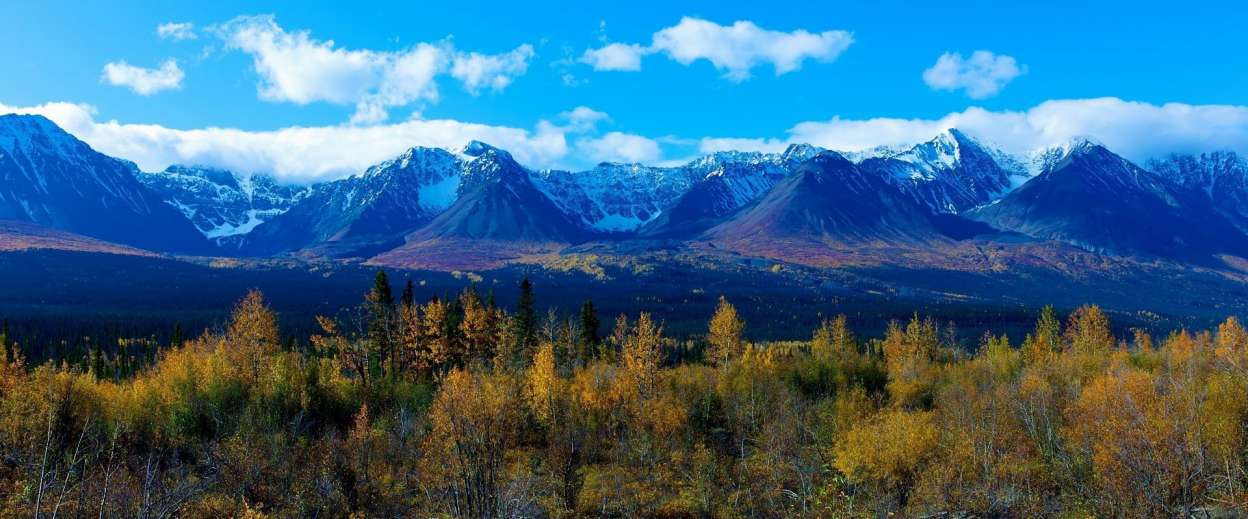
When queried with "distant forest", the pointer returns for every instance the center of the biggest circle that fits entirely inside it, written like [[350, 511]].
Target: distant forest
[[463, 406]]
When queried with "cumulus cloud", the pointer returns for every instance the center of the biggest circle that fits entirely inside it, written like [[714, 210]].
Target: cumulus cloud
[[294, 154], [144, 81], [177, 31], [732, 49], [480, 70], [615, 56], [737, 48], [294, 67], [1135, 130], [584, 118], [619, 147], [981, 76]]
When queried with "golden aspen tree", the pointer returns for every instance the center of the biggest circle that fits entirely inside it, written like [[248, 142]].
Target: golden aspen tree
[[1232, 342], [888, 450], [619, 330], [908, 358], [351, 354], [477, 327], [411, 335], [548, 397], [1143, 341], [438, 347], [1222, 413], [724, 334], [641, 355], [543, 385], [1139, 446], [1046, 341], [1087, 331], [474, 421], [252, 335], [821, 343]]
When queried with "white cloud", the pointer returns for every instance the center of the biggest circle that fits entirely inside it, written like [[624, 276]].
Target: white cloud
[[406, 78], [733, 49], [1135, 130], [981, 76], [615, 56], [294, 154], [584, 118], [737, 48], [495, 71], [296, 68], [144, 81], [619, 147], [176, 31]]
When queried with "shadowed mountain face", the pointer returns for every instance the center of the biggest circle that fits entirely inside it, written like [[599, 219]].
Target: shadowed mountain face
[[1097, 200], [366, 214], [728, 181], [948, 174], [1221, 176], [498, 214], [828, 202], [50, 178], [498, 201]]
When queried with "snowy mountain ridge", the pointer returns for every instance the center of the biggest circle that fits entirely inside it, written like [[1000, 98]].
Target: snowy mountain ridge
[[221, 203]]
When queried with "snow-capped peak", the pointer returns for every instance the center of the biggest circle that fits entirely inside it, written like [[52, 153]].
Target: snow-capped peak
[[26, 132], [1043, 159], [477, 149], [800, 152]]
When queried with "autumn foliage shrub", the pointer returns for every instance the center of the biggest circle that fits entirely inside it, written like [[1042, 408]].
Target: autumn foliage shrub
[[457, 407]]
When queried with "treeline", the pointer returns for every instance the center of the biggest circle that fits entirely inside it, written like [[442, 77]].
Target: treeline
[[454, 407]]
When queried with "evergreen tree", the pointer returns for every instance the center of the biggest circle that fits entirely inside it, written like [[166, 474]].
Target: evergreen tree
[[381, 293], [4, 339], [177, 338], [409, 295], [588, 340], [381, 325], [489, 300], [453, 318], [526, 317]]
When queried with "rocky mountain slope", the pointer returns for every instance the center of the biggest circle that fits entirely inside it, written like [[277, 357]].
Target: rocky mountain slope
[[49, 177]]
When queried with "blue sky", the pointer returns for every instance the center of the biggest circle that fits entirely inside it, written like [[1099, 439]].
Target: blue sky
[[841, 61]]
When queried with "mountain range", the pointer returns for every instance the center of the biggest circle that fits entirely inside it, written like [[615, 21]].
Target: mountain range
[[478, 208], [50, 178]]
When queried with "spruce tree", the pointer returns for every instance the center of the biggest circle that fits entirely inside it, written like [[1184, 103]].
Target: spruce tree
[[589, 329], [526, 318], [4, 340], [381, 293], [450, 329], [381, 324], [409, 295], [177, 338]]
